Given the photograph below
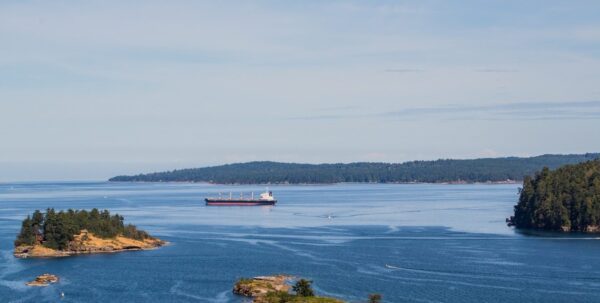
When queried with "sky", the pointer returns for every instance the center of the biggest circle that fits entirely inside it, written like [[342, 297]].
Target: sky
[[92, 89]]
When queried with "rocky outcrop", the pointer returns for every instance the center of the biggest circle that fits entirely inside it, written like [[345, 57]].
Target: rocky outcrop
[[43, 280], [87, 243], [260, 286], [271, 289]]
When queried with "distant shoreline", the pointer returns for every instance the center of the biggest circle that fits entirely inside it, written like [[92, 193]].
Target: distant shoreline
[[334, 183], [505, 170]]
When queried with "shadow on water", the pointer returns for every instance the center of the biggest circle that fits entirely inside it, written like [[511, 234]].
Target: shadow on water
[[575, 235]]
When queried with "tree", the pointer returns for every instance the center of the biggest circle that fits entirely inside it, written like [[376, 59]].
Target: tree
[[27, 234], [303, 288], [565, 199], [374, 298], [51, 229], [57, 229], [444, 170]]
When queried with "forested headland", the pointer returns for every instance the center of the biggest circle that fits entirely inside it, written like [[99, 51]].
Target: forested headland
[[565, 199], [438, 171]]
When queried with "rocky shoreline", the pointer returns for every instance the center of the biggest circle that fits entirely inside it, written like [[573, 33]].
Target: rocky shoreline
[[88, 243], [261, 285], [43, 280], [276, 289]]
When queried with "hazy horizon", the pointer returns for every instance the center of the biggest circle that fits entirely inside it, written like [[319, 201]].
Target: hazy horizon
[[102, 171], [90, 90]]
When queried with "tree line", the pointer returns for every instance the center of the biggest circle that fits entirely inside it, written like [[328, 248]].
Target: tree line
[[566, 199], [55, 230], [445, 170]]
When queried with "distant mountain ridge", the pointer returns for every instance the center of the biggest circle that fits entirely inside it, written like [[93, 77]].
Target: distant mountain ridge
[[437, 171]]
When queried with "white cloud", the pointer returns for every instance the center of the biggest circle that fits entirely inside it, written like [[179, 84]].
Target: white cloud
[[118, 81]]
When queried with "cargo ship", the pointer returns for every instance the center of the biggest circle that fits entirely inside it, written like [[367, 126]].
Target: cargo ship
[[265, 198]]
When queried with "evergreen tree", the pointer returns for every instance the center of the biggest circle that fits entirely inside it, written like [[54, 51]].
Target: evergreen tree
[[566, 199], [57, 229], [443, 170], [27, 234], [374, 298], [303, 288]]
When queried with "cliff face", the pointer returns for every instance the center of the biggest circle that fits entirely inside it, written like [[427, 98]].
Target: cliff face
[[87, 243]]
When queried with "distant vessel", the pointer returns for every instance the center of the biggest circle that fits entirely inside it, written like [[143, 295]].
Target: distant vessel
[[265, 198]]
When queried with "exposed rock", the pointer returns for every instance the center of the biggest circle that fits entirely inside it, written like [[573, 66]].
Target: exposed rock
[[87, 243], [43, 280], [592, 228], [270, 289], [260, 286]]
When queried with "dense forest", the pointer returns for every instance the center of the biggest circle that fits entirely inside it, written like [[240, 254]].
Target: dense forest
[[475, 170], [566, 199], [55, 229]]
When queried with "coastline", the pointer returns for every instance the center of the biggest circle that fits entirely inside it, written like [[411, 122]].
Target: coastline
[[87, 243], [325, 184]]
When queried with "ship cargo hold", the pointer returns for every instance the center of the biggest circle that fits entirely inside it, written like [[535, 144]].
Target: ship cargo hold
[[265, 198]]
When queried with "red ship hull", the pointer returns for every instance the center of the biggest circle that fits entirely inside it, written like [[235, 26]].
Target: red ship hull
[[238, 202]]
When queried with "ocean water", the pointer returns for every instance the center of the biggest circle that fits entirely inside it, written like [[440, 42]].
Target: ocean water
[[411, 243]]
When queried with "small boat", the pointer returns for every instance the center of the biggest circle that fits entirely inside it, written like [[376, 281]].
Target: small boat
[[265, 198]]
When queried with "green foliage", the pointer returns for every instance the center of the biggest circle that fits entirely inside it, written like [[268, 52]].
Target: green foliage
[[477, 170], [56, 229], [284, 297], [303, 288], [279, 297], [374, 298], [567, 199], [27, 234]]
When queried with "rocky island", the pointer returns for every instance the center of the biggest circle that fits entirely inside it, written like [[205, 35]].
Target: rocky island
[[73, 232], [43, 280], [566, 200], [276, 289]]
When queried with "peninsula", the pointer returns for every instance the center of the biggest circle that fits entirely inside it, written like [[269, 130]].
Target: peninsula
[[73, 232], [494, 170], [566, 199]]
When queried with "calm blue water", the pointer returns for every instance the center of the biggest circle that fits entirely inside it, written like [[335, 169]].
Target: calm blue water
[[411, 243]]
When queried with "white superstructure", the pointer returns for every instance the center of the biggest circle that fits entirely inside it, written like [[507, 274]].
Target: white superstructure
[[267, 196]]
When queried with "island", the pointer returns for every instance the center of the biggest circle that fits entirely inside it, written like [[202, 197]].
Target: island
[[73, 232], [565, 200], [485, 170], [275, 289], [43, 280]]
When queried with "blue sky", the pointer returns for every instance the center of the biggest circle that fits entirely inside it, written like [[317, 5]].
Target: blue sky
[[90, 89]]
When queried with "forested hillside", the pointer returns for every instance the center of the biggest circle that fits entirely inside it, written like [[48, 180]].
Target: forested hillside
[[567, 199], [475, 170]]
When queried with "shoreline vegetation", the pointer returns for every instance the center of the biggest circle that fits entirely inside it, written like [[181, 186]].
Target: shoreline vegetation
[[276, 289], [445, 171], [564, 200], [74, 232]]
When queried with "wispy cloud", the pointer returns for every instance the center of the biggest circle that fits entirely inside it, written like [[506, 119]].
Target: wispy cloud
[[403, 70], [505, 111], [496, 70]]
